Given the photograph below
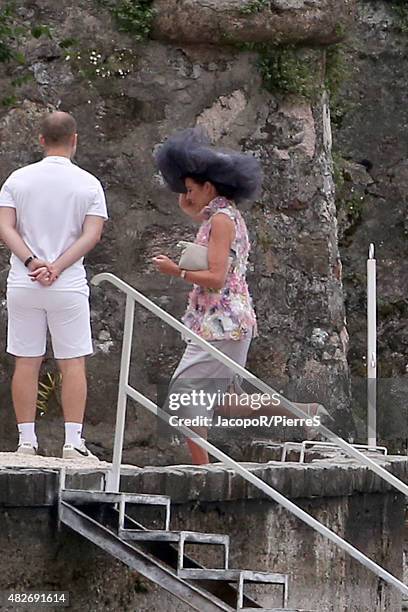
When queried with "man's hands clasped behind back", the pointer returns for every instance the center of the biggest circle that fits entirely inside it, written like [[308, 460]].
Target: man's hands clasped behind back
[[43, 272]]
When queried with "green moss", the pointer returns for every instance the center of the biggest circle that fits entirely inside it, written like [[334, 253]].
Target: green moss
[[338, 176], [9, 101], [400, 9], [388, 308], [337, 69], [340, 30], [67, 43], [290, 69], [41, 30], [353, 207], [132, 16], [255, 6], [285, 69], [9, 33], [93, 65], [293, 70]]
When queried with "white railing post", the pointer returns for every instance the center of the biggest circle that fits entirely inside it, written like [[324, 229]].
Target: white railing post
[[371, 349], [113, 478]]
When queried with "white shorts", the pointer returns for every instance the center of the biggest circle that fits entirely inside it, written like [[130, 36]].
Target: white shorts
[[65, 313]]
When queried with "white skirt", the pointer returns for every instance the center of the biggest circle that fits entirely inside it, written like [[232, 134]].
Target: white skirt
[[200, 379]]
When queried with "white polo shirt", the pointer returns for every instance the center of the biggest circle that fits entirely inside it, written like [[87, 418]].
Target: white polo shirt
[[52, 198]]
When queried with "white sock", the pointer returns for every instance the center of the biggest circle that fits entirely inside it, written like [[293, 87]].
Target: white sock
[[27, 434], [73, 433]]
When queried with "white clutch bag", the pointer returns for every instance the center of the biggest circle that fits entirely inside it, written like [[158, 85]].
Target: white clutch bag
[[194, 256]]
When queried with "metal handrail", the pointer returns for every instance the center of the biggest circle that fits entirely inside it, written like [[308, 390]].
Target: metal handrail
[[126, 390]]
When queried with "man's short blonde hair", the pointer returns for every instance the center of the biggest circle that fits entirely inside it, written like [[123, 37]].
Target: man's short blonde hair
[[58, 128]]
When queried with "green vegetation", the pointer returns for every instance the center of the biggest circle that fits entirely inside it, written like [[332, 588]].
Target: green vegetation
[[353, 207], [337, 70], [92, 65], [67, 43], [255, 6], [9, 33], [285, 69], [132, 16], [290, 69], [350, 200], [387, 308], [9, 101], [49, 387], [41, 30], [400, 9], [338, 176]]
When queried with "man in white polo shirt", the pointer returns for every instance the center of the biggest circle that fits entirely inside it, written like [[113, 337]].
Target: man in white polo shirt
[[51, 214]]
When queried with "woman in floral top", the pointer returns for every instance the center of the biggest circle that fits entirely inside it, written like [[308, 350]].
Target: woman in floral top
[[226, 313], [220, 308]]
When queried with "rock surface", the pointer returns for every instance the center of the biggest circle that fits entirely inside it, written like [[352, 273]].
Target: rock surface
[[128, 96], [217, 21], [370, 136]]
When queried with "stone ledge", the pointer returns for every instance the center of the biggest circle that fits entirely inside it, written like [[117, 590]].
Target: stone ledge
[[280, 21], [28, 485]]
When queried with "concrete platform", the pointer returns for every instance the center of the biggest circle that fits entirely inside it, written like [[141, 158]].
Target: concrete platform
[[343, 495], [33, 481]]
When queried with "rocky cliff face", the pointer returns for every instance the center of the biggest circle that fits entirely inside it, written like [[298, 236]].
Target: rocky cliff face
[[370, 144], [128, 94]]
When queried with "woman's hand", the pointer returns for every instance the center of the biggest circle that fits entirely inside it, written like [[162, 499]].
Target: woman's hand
[[188, 207], [183, 201], [165, 265]]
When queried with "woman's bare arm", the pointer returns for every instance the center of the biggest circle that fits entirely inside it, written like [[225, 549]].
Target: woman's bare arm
[[219, 246]]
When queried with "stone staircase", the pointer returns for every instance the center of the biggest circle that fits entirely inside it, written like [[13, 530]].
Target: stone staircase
[[159, 554]]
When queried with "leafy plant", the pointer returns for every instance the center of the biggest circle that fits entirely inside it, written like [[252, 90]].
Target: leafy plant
[[9, 101], [93, 65], [8, 32], [337, 69], [11, 33], [400, 9], [48, 388], [338, 176], [255, 6], [285, 69], [41, 30], [66, 43], [132, 16]]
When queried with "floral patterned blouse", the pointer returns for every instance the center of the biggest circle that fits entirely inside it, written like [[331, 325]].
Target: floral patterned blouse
[[227, 313]]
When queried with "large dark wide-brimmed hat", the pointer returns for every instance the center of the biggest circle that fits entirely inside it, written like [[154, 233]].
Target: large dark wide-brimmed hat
[[190, 154]]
